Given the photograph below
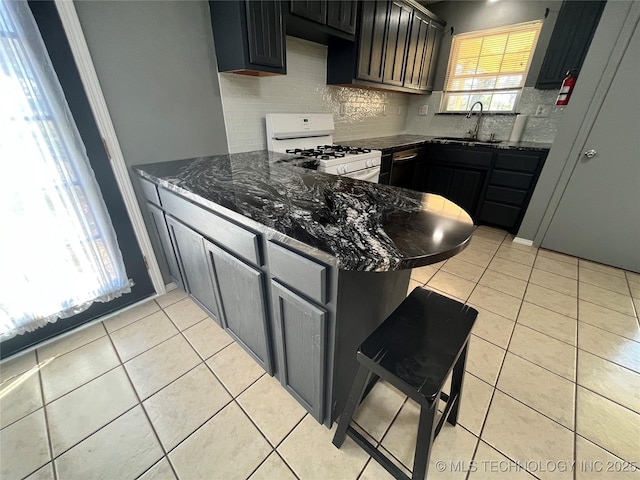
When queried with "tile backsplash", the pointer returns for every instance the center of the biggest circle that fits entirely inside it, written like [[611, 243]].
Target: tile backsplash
[[246, 100], [538, 129], [365, 113]]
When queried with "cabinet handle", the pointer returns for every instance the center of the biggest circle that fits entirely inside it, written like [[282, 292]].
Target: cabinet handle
[[590, 153]]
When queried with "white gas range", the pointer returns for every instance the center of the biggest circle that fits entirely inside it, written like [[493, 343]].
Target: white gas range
[[311, 135]]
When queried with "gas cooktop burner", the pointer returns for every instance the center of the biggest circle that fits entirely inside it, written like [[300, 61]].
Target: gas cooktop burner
[[328, 152]]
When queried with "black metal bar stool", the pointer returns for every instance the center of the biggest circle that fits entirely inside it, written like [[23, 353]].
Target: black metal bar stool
[[414, 350]]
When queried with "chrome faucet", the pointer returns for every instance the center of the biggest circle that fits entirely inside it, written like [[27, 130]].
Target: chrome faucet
[[476, 129]]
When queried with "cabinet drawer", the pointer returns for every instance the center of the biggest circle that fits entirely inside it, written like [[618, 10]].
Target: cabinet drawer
[[521, 162], [236, 239], [506, 195], [300, 273], [150, 191], [459, 155], [511, 179], [499, 214]]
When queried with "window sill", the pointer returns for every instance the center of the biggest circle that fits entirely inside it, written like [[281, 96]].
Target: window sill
[[513, 114]]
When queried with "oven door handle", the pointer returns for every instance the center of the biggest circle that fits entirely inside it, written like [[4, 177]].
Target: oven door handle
[[405, 159], [369, 176]]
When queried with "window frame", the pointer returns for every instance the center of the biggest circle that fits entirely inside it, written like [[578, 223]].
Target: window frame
[[450, 76]]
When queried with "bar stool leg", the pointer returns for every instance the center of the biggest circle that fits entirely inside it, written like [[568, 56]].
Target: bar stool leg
[[357, 389], [456, 385], [426, 430]]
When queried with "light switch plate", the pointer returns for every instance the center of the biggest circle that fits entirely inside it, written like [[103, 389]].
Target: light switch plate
[[343, 108], [543, 110], [399, 110], [423, 110], [384, 109]]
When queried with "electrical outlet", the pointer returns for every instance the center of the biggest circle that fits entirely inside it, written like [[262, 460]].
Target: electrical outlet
[[384, 109], [423, 110], [399, 110], [343, 108], [543, 110]]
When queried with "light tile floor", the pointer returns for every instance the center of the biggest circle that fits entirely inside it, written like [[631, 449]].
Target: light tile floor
[[160, 391]]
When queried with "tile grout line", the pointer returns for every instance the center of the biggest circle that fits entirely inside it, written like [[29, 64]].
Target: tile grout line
[[144, 410], [495, 387], [46, 422]]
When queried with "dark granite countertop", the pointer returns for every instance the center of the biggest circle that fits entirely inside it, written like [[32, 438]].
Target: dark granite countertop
[[405, 140], [354, 225]]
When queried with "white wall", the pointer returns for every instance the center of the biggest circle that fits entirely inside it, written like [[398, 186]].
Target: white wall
[[156, 64], [246, 100]]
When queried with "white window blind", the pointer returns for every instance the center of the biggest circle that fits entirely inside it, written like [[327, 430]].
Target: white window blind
[[489, 66]]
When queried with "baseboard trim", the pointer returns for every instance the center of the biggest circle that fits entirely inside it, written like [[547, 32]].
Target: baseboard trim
[[523, 241]]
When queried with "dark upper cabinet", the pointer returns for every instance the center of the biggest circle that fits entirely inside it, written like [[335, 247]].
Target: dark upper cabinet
[[372, 40], [342, 15], [321, 20], [416, 50], [398, 25], [396, 47], [249, 36], [432, 50], [314, 10], [570, 40]]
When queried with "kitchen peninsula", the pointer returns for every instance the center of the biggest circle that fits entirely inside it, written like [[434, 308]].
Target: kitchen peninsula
[[298, 266]]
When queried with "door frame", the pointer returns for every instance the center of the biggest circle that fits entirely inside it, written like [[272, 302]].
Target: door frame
[[583, 128], [80, 51]]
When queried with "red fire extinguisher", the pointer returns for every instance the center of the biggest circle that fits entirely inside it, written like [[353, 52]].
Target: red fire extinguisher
[[566, 89]]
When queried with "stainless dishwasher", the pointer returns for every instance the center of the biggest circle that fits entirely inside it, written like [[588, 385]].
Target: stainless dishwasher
[[403, 167]]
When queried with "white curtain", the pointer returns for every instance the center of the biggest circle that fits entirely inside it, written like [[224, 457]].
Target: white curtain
[[58, 248]]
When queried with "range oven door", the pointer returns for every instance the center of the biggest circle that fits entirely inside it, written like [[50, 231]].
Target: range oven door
[[367, 174]]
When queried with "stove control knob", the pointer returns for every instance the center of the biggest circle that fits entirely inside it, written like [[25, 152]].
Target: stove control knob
[[342, 170]]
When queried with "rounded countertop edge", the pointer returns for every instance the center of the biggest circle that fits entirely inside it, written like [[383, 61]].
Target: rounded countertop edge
[[361, 264]]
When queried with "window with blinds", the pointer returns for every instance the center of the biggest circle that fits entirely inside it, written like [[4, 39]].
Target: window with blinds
[[489, 66]]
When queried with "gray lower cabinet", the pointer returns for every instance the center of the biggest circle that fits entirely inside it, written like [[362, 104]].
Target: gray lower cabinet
[[190, 252], [242, 303], [299, 329], [160, 227]]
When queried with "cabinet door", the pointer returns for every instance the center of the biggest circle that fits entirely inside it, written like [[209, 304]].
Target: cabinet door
[[160, 226], [242, 303], [416, 50], [193, 264], [465, 190], [398, 24], [300, 338], [438, 180], [460, 185], [314, 10], [371, 46], [570, 40], [432, 50], [342, 15], [265, 33]]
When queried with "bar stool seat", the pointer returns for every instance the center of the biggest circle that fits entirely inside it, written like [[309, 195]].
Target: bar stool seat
[[414, 349]]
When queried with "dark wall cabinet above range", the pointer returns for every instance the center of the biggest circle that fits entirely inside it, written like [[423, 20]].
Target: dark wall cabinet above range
[[570, 40], [249, 36], [396, 48], [319, 20]]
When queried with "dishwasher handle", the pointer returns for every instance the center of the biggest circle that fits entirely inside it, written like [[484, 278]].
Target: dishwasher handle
[[404, 159]]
